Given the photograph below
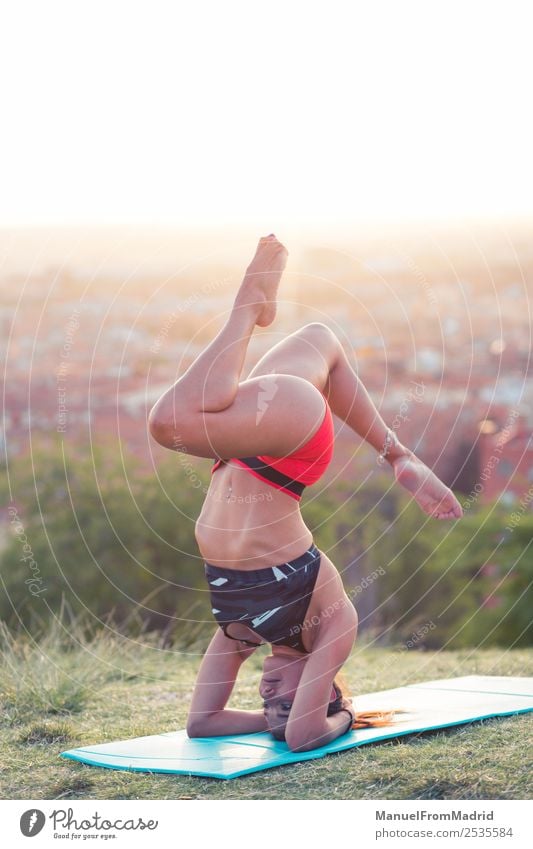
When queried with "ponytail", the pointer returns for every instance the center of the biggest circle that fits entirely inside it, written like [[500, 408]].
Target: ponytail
[[363, 719]]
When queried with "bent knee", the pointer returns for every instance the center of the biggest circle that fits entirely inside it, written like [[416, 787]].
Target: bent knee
[[314, 327], [163, 432], [318, 329]]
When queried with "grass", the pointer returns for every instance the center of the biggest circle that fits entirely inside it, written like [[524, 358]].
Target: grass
[[72, 689]]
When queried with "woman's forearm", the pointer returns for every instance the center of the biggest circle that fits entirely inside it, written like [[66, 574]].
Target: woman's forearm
[[334, 726], [225, 722]]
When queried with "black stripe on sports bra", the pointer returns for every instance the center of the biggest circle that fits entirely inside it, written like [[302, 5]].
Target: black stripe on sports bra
[[273, 475]]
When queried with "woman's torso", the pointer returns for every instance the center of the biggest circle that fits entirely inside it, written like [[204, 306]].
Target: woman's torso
[[247, 524], [259, 526]]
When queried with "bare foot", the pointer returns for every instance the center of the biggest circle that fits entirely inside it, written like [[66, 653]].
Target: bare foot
[[434, 497], [261, 281]]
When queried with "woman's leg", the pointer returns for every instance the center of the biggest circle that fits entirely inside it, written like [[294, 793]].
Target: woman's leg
[[208, 412], [315, 353]]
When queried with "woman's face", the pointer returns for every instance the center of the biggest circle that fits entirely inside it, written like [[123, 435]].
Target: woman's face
[[277, 688], [278, 685]]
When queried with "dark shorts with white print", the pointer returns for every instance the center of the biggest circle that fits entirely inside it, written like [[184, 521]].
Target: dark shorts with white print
[[272, 601]]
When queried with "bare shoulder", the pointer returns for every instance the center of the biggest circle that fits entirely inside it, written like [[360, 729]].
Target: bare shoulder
[[335, 616], [329, 588]]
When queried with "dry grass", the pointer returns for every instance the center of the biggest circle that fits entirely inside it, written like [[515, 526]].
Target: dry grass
[[72, 690]]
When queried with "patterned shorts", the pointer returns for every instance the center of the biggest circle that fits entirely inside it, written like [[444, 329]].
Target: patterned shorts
[[272, 601]]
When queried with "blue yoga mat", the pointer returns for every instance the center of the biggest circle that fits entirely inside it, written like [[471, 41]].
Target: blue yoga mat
[[428, 705]]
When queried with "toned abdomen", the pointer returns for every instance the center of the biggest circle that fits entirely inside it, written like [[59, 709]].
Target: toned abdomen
[[247, 524]]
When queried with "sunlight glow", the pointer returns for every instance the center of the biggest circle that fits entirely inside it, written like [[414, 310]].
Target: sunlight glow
[[167, 113]]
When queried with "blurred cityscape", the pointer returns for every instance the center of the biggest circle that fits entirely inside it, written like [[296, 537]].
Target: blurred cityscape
[[439, 331]]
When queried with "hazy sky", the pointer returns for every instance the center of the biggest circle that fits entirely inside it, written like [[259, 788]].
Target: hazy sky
[[162, 113]]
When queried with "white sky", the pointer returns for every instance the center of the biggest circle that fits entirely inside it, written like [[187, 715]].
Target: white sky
[[162, 113]]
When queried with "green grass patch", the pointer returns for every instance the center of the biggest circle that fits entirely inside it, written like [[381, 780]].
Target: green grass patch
[[73, 688]]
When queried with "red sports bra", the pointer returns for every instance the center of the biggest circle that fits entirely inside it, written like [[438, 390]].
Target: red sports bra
[[302, 468]]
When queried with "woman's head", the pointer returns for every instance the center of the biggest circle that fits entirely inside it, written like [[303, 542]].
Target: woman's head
[[281, 676]]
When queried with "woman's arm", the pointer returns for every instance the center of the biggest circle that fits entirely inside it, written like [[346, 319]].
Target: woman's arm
[[336, 725], [208, 716], [309, 726]]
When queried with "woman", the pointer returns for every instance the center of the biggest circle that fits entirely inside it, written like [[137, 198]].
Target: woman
[[273, 435]]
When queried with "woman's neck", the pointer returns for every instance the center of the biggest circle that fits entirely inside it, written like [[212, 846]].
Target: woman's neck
[[286, 651]]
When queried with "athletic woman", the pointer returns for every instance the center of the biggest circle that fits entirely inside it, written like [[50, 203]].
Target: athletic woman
[[271, 435]]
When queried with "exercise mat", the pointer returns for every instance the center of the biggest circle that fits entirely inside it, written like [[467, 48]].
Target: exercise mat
[[427, 706]]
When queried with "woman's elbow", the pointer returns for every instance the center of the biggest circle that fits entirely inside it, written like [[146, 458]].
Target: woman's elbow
[[196, 728], [299, 742], [302, 747], [192, 730]]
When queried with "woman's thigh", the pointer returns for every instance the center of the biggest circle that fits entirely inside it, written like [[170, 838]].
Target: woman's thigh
[[272, 414]]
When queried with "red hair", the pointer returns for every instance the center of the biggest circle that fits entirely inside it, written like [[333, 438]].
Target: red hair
[[363, 719]]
